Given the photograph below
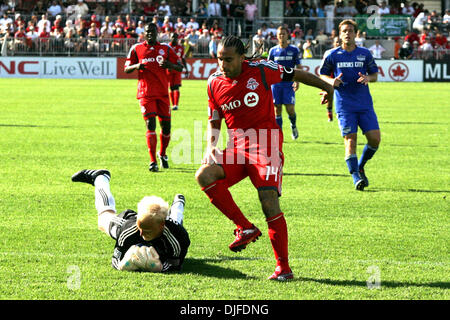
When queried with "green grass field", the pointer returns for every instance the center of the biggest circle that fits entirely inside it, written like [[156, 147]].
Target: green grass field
[[397, 231]]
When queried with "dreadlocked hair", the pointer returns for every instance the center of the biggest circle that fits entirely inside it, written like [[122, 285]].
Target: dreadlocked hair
[[241, 48]]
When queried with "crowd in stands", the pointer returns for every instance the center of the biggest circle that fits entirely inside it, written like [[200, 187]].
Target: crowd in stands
[[85, 26]]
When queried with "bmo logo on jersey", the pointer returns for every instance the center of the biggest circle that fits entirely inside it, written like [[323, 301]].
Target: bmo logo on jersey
[[158, 59], [251, 99]]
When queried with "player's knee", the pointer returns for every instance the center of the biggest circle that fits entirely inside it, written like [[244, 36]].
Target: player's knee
[[269, 202], [207, 174], [151, 123], [165, 127]]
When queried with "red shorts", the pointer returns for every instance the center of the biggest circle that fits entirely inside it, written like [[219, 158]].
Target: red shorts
[[158, 106], [265, 170], [174, 78]]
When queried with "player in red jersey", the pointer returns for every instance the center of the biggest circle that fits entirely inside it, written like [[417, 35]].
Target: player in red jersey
[[241, 95], [175, 76], [151, 59]]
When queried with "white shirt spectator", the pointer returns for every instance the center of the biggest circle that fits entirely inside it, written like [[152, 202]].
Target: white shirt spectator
[[32, 34], [408, 10], [382, 11], [140, 28], [419, 22], [5, 20], [214, 9], [81, 8], [377, 50], [446, 18], [192, 24], [165, 9], [43, 24]]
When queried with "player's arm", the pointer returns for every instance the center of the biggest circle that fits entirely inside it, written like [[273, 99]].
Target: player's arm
[[133, 67], [335, 82], [166, 64], [295, 85], [366, 78], [212, 138], [132, 62]]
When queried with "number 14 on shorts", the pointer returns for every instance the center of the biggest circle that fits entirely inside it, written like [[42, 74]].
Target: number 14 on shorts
[[271, 171]]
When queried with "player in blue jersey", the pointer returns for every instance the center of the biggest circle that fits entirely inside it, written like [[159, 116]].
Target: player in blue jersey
[[350, 68], [284, 92]]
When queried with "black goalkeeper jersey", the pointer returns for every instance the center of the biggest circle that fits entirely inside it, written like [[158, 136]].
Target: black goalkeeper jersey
[[171, 246]]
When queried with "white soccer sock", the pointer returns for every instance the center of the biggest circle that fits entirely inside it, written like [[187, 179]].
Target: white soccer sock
[[176, 212], [104, 199]]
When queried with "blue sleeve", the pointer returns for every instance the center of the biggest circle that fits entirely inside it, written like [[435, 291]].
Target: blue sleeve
[[270, 56], [326, 68], [371, 64]]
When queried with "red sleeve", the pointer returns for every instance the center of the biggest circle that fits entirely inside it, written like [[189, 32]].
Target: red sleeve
[[273, 72], [132, 57], [171, 55], [214, 112]]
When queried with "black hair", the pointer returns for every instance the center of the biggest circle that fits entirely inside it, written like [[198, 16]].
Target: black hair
[[239, 46]]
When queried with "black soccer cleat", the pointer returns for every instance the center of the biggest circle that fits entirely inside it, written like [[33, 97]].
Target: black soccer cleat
[[153, 167], [88, 175], [163, 161]]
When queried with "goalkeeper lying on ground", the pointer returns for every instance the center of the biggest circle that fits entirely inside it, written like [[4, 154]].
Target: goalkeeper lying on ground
[[153, 239]]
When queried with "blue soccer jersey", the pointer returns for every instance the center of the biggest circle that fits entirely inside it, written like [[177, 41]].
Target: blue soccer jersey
[[350, 96], [288, 57]]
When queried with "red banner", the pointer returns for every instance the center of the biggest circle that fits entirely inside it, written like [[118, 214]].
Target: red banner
[[199, 69]]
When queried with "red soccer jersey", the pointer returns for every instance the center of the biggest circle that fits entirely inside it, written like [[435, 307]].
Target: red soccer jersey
[[179, 51], [245, 102], [153, 80]]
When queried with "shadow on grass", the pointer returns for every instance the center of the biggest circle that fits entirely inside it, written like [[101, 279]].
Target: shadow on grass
[[205, 267], [388, 284], [413, 190], [31, 126]]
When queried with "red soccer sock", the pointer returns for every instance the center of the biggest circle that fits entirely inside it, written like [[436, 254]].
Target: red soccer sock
[[151, 144], [221, 198], [176, 97], [172, 99], [164, 140], [279, 237]]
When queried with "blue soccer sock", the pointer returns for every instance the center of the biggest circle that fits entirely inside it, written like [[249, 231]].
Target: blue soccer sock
[[293, 120], [366, 155], [279, 120], [352, 164]]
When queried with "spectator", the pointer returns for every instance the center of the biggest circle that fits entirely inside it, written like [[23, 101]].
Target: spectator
[[69, 26], [237, 10], [94, 20], [81, 8], [426, 50], [201, 12], [99, 10], [416, 51], [33, 36], [164, 9], [377, 50], [119, 40], [408, 9], [21, 40], [186, 9], [192, 24], [359, 39], [214, 9], [165, 35], [44, 40], [329, 13], [434, 20], [43, 25], [39, 8], [405, 51], [273, 30], [54, 9], [92, 41], [204, 36], [321, 39], [251, 13], [411, 36], [446, 18], [180, 23], [57, 25], [5, 20], [212, 46], [297, 30], [421, 19], [192, 41], [349, 11], [215, 27], [258, 41], [71, 13], [140, 28], [167, 24], [309, 35], [308, 50], [384, 9]]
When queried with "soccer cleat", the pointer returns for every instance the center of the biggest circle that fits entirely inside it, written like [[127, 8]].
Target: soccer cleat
[[330, 116], [88, 176], [163, 161], [243, 238], [153, 167], [362, 173], [294, 133], [282, 275], [179, 198], [175, 108], [358, 181]]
